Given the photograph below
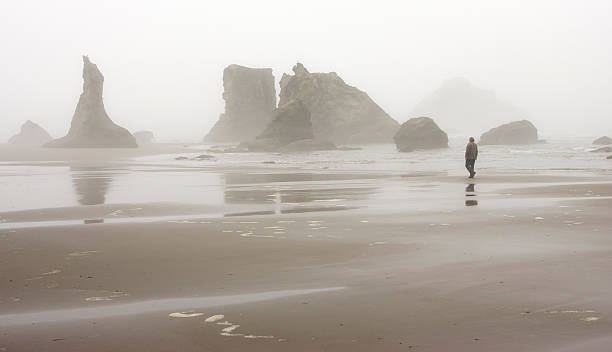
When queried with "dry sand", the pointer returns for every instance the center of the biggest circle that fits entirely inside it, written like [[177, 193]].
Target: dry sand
[[525, 269]]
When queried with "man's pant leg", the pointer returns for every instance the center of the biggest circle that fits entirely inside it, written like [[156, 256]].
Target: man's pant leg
[[469, 165]]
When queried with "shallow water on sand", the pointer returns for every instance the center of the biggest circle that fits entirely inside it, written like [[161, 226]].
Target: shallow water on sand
[[282, 183], [555, 154]]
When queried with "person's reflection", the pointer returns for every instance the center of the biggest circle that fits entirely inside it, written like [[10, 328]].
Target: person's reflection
[[90, 184], [470, 192]]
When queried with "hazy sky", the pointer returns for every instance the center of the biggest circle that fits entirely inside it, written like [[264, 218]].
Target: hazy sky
[[163, 60]]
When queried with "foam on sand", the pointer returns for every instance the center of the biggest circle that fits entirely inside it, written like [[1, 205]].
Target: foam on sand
[[214, 318], [230, 328], [55, 271], [149, 306], [82, 254], [589, 319], [185, 315], [106, 298]]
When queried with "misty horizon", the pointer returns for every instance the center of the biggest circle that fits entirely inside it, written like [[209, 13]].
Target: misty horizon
[[306, 176], [163, 63]]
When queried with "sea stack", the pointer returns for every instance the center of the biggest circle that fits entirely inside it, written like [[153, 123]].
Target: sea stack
[[290, 130], [605, 140], [31, 134], [340, 113], [513, 133], [250, 99], [606, 149], [420, 133], [91, 127], [460, 105]]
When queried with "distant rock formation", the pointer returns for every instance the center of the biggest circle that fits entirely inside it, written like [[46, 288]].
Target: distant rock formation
[[463, 107], [31, 134], [517, 132], [602, 150], [340, 113], [250, 99], [91, 127], [420, 133], [291, 122], [144, 137], [201, 157], [289, 130], [603, 140], [609, 157]]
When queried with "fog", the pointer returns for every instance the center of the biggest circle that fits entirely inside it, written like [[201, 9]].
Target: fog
[[163, 61]]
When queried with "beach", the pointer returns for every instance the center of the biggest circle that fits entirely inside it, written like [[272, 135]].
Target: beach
[[129, 250]]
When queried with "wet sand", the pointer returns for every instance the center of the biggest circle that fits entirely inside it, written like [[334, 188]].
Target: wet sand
[[23, 154], [411, 264]]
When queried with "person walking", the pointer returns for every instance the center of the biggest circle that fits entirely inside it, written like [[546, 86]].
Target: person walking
[[471, 154]]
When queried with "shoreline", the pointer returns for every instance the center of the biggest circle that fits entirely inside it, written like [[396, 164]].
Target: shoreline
[[508, 261]]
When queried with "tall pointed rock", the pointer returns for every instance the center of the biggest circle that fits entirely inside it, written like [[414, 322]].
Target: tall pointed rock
[[91, 127]]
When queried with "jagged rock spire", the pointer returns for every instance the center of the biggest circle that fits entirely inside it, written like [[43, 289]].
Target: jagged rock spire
[[91, 127]]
